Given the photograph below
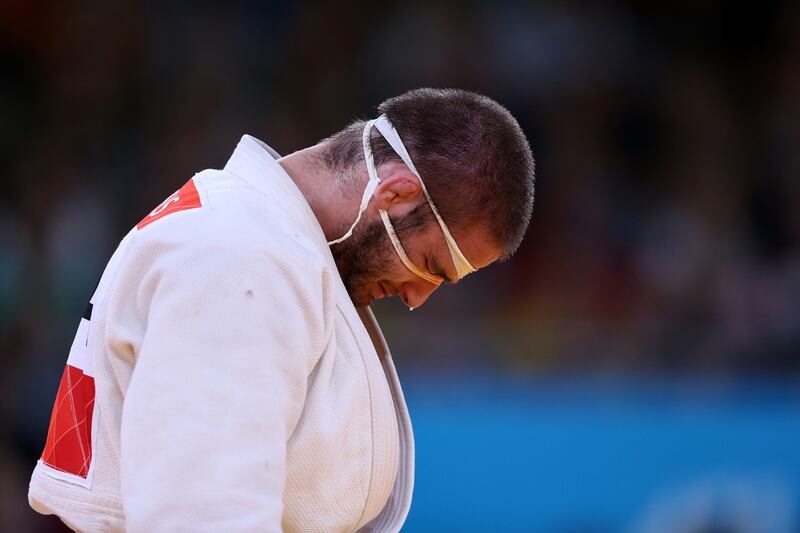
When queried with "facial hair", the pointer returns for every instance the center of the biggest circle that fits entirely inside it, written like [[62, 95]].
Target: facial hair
[[362, 260]]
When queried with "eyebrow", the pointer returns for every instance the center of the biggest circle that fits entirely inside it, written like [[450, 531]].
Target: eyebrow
[[437, 270]]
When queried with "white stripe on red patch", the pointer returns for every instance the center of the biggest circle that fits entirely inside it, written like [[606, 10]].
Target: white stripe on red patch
[[69, 438], [186, 197]]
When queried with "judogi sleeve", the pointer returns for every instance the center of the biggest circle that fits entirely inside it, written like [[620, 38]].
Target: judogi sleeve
[[231, 334]]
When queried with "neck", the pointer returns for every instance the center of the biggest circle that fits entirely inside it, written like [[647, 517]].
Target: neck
[[319, 186]]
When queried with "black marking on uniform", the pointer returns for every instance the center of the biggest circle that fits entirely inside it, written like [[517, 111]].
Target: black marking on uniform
[[87, 315]]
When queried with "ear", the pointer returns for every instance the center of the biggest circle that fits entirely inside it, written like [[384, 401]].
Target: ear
[[398, 186]]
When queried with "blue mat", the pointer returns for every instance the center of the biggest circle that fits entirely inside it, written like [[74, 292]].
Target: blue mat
[[583, 455]]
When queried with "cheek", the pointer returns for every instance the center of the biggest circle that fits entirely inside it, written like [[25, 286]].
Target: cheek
[[385, 263], [401, 277], [370, 253], [388, 274]]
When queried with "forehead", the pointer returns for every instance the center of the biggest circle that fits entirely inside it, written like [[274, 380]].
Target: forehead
[[475, 243], [478, 247]]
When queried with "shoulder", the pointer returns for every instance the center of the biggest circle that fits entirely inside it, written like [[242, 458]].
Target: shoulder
[[218, 248], [222, 215]]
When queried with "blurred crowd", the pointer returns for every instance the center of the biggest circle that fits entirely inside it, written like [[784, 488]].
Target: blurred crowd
[[666, 231]]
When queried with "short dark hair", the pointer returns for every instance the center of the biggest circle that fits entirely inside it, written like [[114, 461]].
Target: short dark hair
[[475, 159]]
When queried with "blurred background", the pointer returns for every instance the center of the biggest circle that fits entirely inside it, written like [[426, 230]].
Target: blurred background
[[634, 368]]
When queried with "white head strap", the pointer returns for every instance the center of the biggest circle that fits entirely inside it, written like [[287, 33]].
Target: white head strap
[[372, 184], [384, 126]]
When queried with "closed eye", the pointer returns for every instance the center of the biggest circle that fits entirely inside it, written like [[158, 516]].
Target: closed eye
[[436, 270]]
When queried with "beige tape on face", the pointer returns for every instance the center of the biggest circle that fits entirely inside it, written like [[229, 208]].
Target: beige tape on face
[[384, 126], [436, 280], [462, 265], [374, 179]]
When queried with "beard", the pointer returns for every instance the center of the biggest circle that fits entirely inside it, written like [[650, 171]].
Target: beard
[[363, 259]]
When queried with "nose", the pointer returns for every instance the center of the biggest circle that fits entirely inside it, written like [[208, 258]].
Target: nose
[[414, 294]]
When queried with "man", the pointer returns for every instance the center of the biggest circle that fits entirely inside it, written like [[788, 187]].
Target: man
[[228, 376]]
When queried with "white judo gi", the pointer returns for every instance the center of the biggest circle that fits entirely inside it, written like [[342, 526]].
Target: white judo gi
[[222, 380]]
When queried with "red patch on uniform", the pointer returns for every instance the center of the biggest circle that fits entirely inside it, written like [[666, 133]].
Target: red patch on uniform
[[69, 439], [186, 197]]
